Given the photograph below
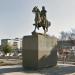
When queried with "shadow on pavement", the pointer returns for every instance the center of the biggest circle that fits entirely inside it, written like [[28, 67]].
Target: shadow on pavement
[[10, 69], [66, 70], [46, 71]]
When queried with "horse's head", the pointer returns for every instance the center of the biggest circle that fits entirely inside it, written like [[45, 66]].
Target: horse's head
[[35, 9]]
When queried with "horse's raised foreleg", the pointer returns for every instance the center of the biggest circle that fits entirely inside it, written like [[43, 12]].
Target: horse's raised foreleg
[[35, 29]]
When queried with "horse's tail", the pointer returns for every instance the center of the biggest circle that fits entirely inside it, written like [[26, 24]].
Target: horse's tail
[[48, 23]]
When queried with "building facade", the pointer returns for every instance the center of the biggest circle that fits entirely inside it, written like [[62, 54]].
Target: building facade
[[16, 43]]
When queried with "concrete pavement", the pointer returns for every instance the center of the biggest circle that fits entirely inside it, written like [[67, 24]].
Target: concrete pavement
[[60, 69]]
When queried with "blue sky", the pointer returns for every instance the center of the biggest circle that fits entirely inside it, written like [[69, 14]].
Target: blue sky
[[16, 17]]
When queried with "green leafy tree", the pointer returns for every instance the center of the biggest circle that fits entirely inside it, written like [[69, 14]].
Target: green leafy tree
[[7, 49]]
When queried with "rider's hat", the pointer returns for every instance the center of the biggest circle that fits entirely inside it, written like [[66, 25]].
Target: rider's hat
[[43, 7]]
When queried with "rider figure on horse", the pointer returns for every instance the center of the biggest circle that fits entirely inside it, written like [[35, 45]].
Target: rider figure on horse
[[43, 15], [40, 19]]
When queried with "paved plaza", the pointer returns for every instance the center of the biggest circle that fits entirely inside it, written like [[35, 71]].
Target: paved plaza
[[60, 69]]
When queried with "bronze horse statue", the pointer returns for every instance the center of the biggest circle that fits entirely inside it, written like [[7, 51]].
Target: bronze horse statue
[[39, 22]]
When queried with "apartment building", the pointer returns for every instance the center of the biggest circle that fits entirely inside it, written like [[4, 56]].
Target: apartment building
[[16, 43]]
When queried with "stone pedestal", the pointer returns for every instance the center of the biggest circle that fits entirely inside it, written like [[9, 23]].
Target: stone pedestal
[[39, 51]]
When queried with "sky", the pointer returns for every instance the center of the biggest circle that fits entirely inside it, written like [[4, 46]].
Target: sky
[[17, 19]]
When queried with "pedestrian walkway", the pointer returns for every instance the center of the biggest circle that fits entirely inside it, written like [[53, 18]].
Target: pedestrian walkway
[[60, 69]]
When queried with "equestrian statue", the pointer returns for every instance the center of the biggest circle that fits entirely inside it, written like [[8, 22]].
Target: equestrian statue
[[40, 19]]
